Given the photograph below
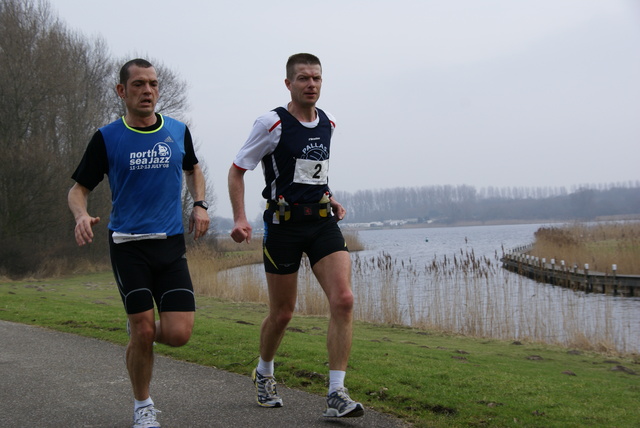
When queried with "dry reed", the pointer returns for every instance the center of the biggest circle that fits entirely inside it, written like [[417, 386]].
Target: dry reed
[[232, 271], [474, 296], [461, 293], [600, 245]]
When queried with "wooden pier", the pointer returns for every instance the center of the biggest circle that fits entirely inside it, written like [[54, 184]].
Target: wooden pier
[[574, 278]]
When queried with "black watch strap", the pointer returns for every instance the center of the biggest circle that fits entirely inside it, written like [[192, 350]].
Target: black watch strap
[[201, 204]]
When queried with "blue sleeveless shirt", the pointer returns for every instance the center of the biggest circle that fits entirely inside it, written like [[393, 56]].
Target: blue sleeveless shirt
[[145, 176]]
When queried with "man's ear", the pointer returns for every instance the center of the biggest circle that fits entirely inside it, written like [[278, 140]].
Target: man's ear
[[120, 90]]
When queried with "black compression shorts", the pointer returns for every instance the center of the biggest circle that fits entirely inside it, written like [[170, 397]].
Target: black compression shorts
[[153, 270], [283, 244]]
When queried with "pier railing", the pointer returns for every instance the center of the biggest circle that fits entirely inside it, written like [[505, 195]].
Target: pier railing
[[573, 277]]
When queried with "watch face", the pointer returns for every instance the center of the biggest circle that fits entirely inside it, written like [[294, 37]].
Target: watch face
[[202, 204]]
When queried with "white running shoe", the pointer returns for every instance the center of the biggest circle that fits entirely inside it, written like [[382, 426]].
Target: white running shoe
[[266, 387], [340, 405], [145, 417]]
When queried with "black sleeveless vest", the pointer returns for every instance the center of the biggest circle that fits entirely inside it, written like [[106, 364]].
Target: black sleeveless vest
[[297, 142]]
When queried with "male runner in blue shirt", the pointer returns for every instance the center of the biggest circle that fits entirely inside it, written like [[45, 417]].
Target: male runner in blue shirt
[[144, 155]]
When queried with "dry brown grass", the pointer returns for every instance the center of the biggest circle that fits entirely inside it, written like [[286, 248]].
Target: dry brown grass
[[222, 272], [475, 296], [461, 294], [600, 245], [224, 244]]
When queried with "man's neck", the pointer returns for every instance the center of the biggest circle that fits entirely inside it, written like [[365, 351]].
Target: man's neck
[[140, 121], [303, 114]]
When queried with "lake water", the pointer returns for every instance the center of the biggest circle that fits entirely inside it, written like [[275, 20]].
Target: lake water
[[486, 300], [423, 244], [452, 279]]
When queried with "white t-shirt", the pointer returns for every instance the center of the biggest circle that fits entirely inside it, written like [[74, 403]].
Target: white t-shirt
[[264, 138]]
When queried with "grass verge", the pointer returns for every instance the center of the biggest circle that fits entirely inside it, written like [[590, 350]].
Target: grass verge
[[428, 379]]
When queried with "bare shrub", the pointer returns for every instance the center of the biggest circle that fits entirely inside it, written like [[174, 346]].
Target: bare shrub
[[56, 90]]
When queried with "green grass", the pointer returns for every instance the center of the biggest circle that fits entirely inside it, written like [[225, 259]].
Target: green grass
[[427, 378]]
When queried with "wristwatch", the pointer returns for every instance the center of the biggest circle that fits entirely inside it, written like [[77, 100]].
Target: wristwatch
[[202, 204]]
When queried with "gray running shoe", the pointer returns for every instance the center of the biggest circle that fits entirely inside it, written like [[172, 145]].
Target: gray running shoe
[[145, 417], [340, 405], [266, 387]]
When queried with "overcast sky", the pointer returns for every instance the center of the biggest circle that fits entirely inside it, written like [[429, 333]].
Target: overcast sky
[[526, 93]]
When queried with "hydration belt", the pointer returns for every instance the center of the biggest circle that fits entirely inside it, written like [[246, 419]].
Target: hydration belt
[[296, 213]]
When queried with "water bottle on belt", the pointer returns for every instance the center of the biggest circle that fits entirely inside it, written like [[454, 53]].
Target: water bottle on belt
[[325, 205], [283, 209]]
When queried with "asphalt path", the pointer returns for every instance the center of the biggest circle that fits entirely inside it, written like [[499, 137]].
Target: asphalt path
[[54, 379]]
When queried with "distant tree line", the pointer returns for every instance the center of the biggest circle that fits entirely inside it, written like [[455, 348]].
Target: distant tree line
[[455, 204], [56, 89]]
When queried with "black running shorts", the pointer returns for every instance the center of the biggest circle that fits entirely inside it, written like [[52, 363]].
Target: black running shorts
[[153, 270], [283, 244]]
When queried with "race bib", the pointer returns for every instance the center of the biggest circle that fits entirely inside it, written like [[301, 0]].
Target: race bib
[[311, 171]]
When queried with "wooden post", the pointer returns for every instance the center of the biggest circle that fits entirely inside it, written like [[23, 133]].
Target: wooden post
[[587, 284], [614, 268]]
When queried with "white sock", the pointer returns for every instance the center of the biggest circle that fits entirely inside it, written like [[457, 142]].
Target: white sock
[[265, 368], [138, 404], [336, 380]]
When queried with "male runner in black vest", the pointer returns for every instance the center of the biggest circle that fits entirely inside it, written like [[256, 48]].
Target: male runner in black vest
[[293, 143]]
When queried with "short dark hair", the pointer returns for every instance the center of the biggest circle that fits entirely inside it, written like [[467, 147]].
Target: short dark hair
[[124, 71], [300, 58]]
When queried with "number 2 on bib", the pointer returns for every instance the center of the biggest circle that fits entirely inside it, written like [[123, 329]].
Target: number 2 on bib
[[310, 171]]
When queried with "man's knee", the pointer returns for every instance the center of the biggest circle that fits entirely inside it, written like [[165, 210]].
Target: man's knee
[[176, 336], [177, 340], [342, 302], [142, 327], [175, 328], [282, 318]]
